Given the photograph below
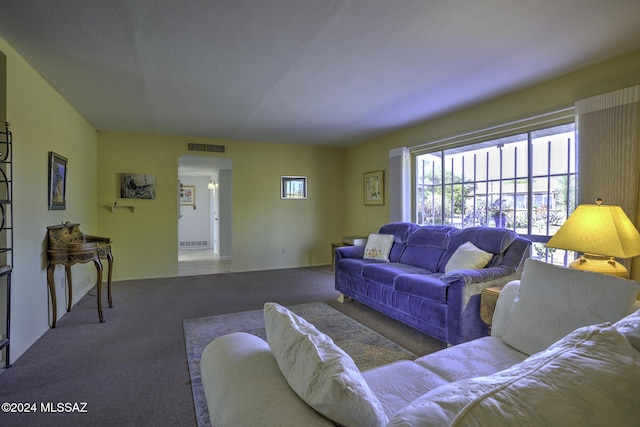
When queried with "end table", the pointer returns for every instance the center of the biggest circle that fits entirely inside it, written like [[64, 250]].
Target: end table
[[488, 299]]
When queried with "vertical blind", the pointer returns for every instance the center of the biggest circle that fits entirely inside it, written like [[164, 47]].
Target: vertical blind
[[608, 132], [609, 148]]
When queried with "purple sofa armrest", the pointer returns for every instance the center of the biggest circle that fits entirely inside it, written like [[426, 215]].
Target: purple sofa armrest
[[476, 276], [349, 252], [463, 300]]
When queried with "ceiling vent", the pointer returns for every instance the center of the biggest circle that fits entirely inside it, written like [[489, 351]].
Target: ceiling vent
[[205, 148]]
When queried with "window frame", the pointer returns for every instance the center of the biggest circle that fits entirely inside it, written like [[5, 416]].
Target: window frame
[[570, 175]]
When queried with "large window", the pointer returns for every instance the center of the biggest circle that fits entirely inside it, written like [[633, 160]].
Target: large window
[[525, 182]]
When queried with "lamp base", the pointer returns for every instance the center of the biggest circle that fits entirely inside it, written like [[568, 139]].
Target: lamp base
[[600, 264]]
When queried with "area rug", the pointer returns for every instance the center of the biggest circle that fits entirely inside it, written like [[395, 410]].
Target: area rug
[[367, 348]]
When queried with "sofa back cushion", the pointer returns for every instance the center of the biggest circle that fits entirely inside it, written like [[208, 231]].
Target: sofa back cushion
[[590, 377], [552, 301], [401, 232], [425, 246], [489, 239]]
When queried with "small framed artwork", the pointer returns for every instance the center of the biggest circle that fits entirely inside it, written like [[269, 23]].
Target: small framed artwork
[[57, 182], [187, 195], [293, 187], [137, 186], [374, 188]]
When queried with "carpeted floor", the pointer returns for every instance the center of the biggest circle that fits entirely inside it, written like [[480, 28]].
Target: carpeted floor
[[367, 348], [133, 371]]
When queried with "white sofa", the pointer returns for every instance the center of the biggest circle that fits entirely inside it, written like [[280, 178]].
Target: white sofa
[[554, 358]]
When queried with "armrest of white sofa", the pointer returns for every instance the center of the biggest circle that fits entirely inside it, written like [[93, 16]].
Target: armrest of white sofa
[[503, 308], [243, 385]]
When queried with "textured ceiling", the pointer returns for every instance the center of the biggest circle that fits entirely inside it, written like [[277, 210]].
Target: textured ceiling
[[332, 72]]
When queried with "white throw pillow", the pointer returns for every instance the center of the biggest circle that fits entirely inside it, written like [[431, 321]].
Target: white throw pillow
[[590, 377], [507, 296], [468, 257], [553, 301], [378, 247], [320, 372]]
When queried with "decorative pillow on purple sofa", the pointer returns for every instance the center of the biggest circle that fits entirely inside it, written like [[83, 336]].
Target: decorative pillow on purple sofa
[[468, 256], [378, 247]]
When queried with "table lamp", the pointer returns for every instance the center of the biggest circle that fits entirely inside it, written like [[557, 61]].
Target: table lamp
[[601, 233]]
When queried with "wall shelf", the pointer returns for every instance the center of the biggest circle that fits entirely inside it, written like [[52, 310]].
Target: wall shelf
[[114, 207]]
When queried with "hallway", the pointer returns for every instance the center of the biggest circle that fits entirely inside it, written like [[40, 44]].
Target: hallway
[[196, 262]]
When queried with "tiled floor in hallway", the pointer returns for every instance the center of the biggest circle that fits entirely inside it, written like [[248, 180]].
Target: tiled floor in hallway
[[195, 262]]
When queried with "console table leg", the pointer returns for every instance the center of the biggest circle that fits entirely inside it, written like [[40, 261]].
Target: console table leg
[[52, 292], [110, 262], [99, 288], [67, 270]]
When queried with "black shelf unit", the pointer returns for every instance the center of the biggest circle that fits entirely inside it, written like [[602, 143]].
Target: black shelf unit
[[6, 230]]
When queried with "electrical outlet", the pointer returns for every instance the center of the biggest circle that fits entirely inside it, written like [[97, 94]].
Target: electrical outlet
[[284, 251]]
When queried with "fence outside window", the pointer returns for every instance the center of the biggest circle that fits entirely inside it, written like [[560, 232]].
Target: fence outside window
[[525, 182]]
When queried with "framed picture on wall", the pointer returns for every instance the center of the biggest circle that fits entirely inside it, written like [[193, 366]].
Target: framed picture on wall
[[187, 195], [57, 182], [137, 186], [293, 187], [374, 188]]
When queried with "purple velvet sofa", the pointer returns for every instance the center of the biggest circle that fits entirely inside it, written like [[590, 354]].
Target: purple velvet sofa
[[414, 288]]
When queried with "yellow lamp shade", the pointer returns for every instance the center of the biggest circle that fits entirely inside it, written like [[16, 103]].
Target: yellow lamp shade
[[598, 229]]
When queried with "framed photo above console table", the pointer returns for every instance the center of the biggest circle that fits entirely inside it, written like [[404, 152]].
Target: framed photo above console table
[[57, 181], [374, 188]]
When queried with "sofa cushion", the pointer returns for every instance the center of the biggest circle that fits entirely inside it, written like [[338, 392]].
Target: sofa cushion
[[553, 301], [244, 386], [401, 232], [378, 247], [386, 273], [590, 377], [479, 357], [397, 384], [422, 285], [468, 257], [425, 247], [354, 265], [320, 372], [489, 239]]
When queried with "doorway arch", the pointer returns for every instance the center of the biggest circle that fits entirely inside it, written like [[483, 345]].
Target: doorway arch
[[204, 215]]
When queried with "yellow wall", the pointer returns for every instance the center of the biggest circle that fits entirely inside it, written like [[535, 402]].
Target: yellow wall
[[42, 121], [562, 92], [146, 241]]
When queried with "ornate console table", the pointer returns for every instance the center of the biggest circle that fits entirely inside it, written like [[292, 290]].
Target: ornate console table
[[67, 245]]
